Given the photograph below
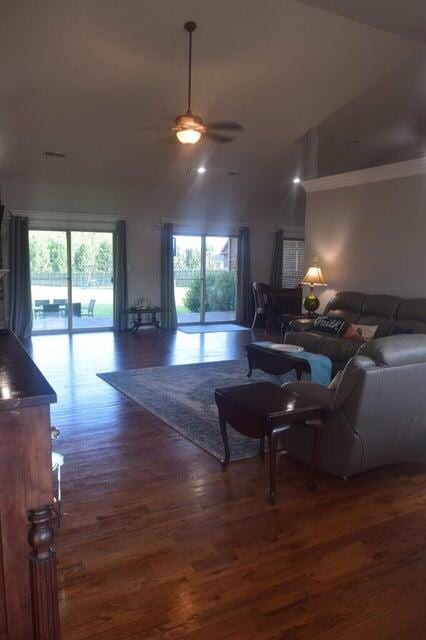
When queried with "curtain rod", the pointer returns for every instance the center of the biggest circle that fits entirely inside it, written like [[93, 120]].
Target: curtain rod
[[77, 216], [188, 222]]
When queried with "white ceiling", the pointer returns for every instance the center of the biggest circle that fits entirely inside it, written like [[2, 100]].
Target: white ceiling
[[90, 79], [404, 17]]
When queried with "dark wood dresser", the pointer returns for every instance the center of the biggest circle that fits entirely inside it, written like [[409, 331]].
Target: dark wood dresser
[[28, 587]]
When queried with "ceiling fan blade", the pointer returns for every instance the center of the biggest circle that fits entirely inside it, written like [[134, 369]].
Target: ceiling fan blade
[[217, 137], [225, 126]]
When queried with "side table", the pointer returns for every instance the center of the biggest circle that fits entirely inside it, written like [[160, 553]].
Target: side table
[[287, 318], [151, 312], [263, 410]]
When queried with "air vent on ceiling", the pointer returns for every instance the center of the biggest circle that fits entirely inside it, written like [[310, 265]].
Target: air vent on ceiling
[[54, 154]]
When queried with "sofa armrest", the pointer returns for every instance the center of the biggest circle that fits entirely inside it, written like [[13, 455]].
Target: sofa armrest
[[316, 392], [301, 324]]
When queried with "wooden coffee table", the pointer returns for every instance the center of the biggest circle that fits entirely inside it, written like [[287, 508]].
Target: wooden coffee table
[[274, 362], [264, 410]]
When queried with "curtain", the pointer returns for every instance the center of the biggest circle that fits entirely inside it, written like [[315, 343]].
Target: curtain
[[120, 277], [276, 280], [168, 316], [20, 308], [245, 307]]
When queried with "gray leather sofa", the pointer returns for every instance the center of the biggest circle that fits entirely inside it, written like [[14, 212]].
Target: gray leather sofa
[[360, 308], [375, 415]]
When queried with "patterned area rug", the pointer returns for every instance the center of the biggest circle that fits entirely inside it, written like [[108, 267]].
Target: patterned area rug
[[183, 397]]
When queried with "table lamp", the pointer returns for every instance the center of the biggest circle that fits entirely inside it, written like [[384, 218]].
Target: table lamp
[[313, 277]]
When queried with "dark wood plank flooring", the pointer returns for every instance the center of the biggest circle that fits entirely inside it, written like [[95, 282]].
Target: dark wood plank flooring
[[158, 543]]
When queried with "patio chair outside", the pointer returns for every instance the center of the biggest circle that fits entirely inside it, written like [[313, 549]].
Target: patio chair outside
[[88, 313]]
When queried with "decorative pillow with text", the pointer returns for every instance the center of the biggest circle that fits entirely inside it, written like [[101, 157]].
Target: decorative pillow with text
[[330, 325]]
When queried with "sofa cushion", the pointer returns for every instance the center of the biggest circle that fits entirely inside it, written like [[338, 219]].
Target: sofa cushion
[[396, 351], [400, 331], [411, 314], [380, 310], [338, 349], [309, 340], [346, 305]]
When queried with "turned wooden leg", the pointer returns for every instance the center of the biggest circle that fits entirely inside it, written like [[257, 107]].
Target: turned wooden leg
[[250, 371], [222, 423], [43, 581], [317, 429], [272, 442]]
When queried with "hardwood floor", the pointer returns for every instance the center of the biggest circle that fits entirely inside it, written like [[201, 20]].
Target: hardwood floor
[[158, 543]]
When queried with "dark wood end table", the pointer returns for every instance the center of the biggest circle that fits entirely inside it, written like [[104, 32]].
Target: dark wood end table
[[287, 318], [264, 410]]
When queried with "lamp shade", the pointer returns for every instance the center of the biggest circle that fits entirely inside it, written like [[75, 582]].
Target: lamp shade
[[314, 276]]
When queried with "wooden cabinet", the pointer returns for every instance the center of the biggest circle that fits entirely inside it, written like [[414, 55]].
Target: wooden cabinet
[[28, 590]]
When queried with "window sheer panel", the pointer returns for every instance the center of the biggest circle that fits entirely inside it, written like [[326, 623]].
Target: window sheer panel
[[293, 262]]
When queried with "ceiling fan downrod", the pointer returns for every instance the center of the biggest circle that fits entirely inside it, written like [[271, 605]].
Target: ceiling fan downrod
[[190, 27]]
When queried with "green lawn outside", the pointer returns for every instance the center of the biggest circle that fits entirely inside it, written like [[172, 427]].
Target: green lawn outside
[[103, 310]]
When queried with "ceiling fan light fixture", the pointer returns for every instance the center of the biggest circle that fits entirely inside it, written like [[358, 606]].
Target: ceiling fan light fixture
[[188, 136]]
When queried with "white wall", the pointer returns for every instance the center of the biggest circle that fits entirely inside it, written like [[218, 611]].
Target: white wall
[[225, 209], [370, 237]]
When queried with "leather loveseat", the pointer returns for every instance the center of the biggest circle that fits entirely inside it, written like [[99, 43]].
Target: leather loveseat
[[376, 413], [387, 312]]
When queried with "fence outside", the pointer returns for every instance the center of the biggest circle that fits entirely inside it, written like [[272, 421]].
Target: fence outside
[[183, 278], [58, 279]]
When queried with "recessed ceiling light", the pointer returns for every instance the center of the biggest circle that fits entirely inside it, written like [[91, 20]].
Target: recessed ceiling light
[[201, 170], [296, 180]]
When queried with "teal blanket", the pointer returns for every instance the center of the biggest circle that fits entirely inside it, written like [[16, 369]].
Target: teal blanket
[[320, 365]]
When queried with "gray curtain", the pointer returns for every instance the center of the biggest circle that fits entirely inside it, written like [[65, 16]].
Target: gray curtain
[[276, 279], [120, 277], [168, 316], [245, 307], [20, 308]]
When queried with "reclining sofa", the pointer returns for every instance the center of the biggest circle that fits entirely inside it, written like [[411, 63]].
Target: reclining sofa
[[376, 413], [390, 313]]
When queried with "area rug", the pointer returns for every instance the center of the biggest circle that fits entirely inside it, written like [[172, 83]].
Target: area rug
[[182, 396], [212, 328]]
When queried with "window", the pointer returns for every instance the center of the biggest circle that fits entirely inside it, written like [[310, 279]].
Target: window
[[293, 262]]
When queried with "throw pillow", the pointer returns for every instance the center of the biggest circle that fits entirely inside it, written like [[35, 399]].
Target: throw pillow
[[400, 331], [328, 324], [363, 332]]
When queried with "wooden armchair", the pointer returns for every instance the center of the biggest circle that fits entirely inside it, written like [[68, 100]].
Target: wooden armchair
[[271, 304]]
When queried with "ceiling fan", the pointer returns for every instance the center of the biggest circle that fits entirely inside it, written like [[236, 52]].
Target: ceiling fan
[[189, 128]]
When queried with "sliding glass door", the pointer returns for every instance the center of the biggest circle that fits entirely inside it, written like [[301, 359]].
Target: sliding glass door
[[91, 281], [205, 272], [71, 280]]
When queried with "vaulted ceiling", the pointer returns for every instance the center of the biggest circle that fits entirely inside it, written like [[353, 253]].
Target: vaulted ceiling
[[101, 81]]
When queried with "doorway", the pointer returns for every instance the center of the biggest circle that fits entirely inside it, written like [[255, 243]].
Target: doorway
[[71, 280], [205, 277]]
